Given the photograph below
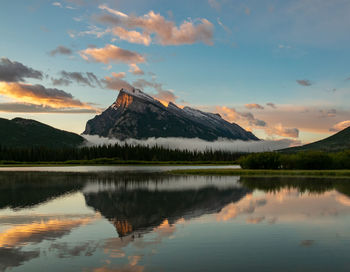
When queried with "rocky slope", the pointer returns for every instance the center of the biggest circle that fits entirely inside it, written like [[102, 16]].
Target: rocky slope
[[139, 116]]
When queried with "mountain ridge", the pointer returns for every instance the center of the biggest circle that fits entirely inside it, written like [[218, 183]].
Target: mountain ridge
[[337, 142], [20, 132], [137, 115]]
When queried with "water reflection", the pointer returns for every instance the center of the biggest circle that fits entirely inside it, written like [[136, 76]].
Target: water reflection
[[152, 222]]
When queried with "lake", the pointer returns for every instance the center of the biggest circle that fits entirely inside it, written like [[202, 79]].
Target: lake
[[138, 220]]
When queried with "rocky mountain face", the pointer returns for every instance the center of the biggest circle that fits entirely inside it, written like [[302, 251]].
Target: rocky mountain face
[[140, 116]]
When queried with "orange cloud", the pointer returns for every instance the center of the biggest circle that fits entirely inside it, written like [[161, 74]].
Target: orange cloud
[[254, 106], [134, 69], [166, 32], [111, 53], [132, 36], [39, 95], [341, 125]]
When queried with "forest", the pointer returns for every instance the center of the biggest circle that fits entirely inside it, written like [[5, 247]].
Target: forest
[[116, 152]]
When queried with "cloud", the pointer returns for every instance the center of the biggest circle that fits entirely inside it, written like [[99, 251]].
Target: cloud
[[272, 105], [134, 69], [223, 26], [164, 96], [116, 82], [39, 95], [255, 220], [304, 82], [198, 144], [328, 113], [215, 4], [57, 4], [340, 126], [246, 118], [283, 131], [111, 54], [12, 71], [132, 36], [62, 50], [69, 77], [165, 31], [254, 106], [32, 108]]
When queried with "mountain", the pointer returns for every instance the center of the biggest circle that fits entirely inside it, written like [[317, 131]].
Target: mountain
[[20, 132], [140, 116], [337, 142]]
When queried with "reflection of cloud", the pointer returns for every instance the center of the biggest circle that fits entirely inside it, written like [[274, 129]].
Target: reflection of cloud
[[66, 251], [307, 243], [37, 232], [343, 200], [255, 220], [12, 257]]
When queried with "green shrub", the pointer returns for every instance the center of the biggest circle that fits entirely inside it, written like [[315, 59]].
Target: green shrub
[[267, 160]]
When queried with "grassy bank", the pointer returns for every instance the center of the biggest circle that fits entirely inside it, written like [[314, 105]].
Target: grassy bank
[[244, 172], [110, 161]]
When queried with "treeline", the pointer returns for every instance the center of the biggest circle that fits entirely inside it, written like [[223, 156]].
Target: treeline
[[311, 160], [117, 152]]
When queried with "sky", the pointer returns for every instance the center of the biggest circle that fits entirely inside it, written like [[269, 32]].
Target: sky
[[277, 68]]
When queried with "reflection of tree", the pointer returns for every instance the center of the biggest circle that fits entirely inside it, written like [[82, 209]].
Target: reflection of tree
[[141, 209], [312, 185], [26, 189]]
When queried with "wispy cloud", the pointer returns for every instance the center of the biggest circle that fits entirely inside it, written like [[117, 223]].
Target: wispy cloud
[[254, 106], [304, 82], [62, 50], [134, 69], [111, 54]]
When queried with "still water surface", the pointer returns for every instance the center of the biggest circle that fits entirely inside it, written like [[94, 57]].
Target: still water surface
[[115, 221]]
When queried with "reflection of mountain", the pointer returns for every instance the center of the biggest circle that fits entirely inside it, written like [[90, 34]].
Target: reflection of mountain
[[142, 208], [26, 189]]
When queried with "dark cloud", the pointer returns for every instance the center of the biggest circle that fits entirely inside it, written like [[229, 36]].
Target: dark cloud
[[32, 108], [304, 82], [12, 71], [252, 120], [67, 78], [272, 105], [61, 50]]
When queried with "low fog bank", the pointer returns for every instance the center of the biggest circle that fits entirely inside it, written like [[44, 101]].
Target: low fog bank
[[198, 144]]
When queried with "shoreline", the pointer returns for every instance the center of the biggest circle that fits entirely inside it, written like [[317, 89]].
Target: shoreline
[[263, 173]]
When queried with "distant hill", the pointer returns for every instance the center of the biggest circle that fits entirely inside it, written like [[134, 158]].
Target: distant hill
[[337, 142], [20, 132]]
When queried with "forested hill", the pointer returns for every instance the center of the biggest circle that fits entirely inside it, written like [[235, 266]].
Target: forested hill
[[337, 142], [20, 132]]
